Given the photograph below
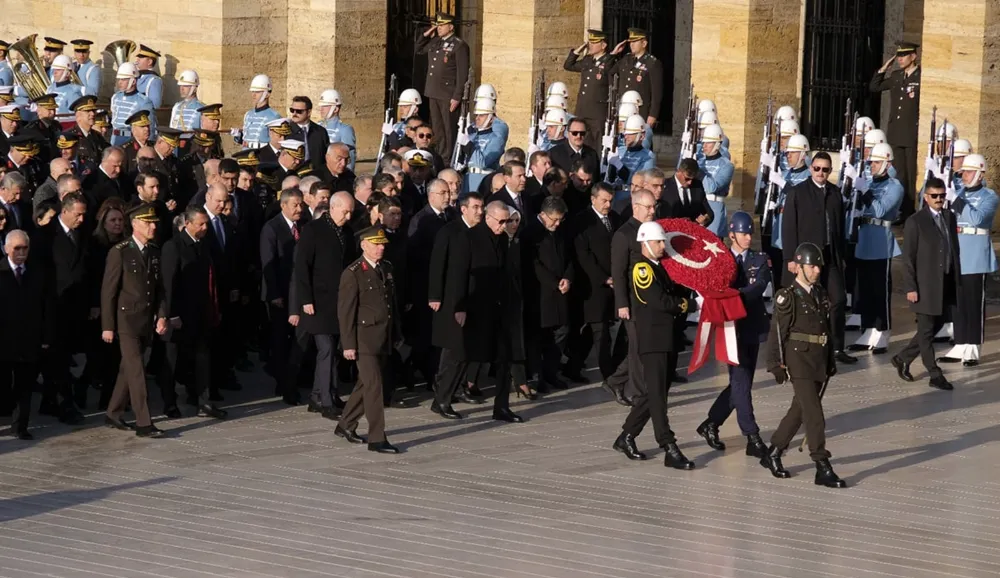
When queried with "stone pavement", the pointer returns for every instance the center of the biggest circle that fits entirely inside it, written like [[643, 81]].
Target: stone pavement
[[272, 492]]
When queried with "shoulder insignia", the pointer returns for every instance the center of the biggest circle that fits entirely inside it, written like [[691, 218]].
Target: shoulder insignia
[[642, 278], [122, 245], [783, 299], [356, 265]]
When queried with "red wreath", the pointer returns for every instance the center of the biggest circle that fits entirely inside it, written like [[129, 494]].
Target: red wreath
[[699, 260]]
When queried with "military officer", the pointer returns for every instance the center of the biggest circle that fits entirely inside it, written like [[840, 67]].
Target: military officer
[[126, 102], [640, 71], [593, 62], [903, 85], [337, 130], [633, 157], [753, 273], [91, 141], [86, 69], [53, 47], [21, 158], [62, 86], [131, 298], [10, 123], [447, 72], [184, 116], [149, 82], [6, 74], [370, 326], [167, 141], [46, 124], [139, 126], [716, 175], [655, 310], [974, 206], [874, 252], [68, 146], [483, 145], [6, 92], [798, 350], [253, 134], [102, 125], [211, 120]]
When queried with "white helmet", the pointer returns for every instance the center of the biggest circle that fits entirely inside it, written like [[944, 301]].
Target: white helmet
[[555, 101], [962, 147], [486, 91], [974, 162], [634, 124], [261, 83], [188, 78], [558, 88], [707, 119], [864, 124], [63, 62], [555, 117], [651, 231], [881, 152], [712, 133], [789, 127], [330, 97], [626, 110], [947, 131], [874, 137], [127, 70], [798, 143], [786, 113], [632, 97], [706, 105], [485, 106], [410, 97]]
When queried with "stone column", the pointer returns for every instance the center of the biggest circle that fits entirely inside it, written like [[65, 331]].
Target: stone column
[[521, 40]]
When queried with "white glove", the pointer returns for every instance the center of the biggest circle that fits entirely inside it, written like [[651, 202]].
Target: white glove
[[532, 148], [930, 165], [607, 142], [766, 159], [845, 156], [851, 173], [776, 178], [236, 133], [764, 147], [387, 128], [861, 184], [462, 140], [615, 161], [950, 194]]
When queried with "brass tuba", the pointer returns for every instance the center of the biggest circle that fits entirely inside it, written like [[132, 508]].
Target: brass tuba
[[121, 50], [27, 66]]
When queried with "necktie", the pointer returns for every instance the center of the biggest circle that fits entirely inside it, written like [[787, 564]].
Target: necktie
[[220, 232], [684, 196], [295, 231], [517, 202], [607, 223], [72, 236], [19, 272], [340, 236], [442, 217], [739, 260]]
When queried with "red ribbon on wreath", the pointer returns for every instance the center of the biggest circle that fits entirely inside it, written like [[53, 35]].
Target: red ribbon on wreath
[[699, 260]]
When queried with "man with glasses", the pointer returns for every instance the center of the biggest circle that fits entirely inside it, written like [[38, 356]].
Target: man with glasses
[[307, 131], [422, 138], [573, 148], [814, 213]]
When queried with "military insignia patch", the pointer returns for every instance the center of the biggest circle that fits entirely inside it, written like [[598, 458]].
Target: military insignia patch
[[781, 299]]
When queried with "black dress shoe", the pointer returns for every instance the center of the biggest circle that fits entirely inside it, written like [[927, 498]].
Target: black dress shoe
[[970, 363], [173, 412], [675, 459], [772, 461], [902, 369], [678, 378], [400, 403], [331, 413], [22, 435], [445, 412], [843, 357], [507, 416], [617, 392], [755, 446], [825, 475], [710, 432], [473, 390], [383, 447], [879, 350], [946, 359], [292, 398], [556, 383], [339, 403], [940, 382], [857, 347], [69, 415], [944, 339], [149, 431], [463, 397], [118, 423], [314, 406], [626, 445], [209, 410], [349, 435]]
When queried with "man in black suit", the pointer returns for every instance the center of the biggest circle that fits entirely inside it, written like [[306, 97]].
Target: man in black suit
[[512, 194], [192, 305], [593, 291], [814, 213], [931, 273], [105, 182], [27, 327], [325, 248], [539, 162], [12, 197], [307, 131], [228, 268], [684, 198], [277, 259], [335, 170], [572, 149]]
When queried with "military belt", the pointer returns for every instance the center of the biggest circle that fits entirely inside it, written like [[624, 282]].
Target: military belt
[[477, 171], [876, 222], [254, 145], [121, 132], [807, 337], [972, 231], [716, 198]]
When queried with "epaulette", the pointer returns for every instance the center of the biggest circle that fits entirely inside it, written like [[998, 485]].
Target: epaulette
[[356, 265], [122, 245], [642, 278]]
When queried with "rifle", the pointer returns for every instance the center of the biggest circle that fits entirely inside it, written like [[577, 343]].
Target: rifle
[[946, 166], [384, 143], [932, 146], [458, 156], [760, 189], [537, 110], [774, 181], [847, 189], [609, 144], [689, 139]]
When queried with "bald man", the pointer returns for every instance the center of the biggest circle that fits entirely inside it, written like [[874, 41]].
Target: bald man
[[48, 191]]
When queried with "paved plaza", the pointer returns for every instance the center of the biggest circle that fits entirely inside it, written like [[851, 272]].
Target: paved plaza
[[272, 492]]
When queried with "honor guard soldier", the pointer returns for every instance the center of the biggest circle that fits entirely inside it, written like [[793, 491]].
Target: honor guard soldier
[[211, 120], [874, 252], [904, 95], [370, 327], [499, 125], [554, 122], [625, 110], [753, 273], [6, 74], [873, 138], [798, 350], [707, 114], [407, 108], [716, 175], [483, 146], [62, 86], [184, 116], [797, 157], [139, 127], [86, 69], [633, 157], [640, 71], [91, 141], [132, 308], [974, 208], [46, 125], [253, 135], [337, 130], [655, 310], [126, 102], [53, 47], [593, 62], [149, 82], [447, 72]]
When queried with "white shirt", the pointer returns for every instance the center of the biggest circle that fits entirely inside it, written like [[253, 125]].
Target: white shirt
[[14, 267], [65, 228], [513, 196], [466, 222], [682, 192], [139, 243], [808, 288], [289, 222]]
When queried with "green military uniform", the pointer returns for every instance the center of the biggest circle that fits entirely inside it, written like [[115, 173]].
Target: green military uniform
[[92, 144], [50, 129], [131, 301], [643, 74], [595, 77], [369, 324], [904, 120], [447, 72], [169, 167]]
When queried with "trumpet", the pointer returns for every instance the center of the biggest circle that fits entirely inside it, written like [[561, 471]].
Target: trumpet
[[121, 51]]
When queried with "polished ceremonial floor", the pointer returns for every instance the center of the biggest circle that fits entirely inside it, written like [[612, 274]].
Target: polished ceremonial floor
[[272, 492]]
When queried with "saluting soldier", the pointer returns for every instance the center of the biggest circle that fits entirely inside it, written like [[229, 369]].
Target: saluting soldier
[[86, 69], [640, 71], [904, 94], [139, 125], [447, 71], [149, 83], [370, 326], [799, 349], [593, 62], [131, 298], [185, 115]]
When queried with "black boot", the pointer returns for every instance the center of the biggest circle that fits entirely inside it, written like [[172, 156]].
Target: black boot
[[626, 445], [675, 459], [772, 461], [710, 432], [755, 446], [825, 475]]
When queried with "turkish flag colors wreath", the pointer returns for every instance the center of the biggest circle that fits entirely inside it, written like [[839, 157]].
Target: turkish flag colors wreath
[[699, 260]]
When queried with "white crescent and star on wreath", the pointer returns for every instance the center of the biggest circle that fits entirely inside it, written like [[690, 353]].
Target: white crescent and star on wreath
[[712, 247]]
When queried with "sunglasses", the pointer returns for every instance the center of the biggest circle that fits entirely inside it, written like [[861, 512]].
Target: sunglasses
[[936, 195], [499, 221], [578, 132], [822, 169], [425, 135], [297, 110]]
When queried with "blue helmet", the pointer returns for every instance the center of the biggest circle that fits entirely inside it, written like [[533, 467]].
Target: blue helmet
[[741, 222]]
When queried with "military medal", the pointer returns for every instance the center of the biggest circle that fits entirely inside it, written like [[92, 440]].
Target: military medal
[[446, 60], [598, 76], [638, 78]]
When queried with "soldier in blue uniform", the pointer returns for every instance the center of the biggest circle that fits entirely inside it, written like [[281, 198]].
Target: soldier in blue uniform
[[554, 122], [6, 74], [716, 175], [711, 118], [873, 254], [483, 145], [86, 69], [184, 116], [632, 158], [500, 126], [253, 135], [62, 86], [753, 273], [149, 82], [407, 107], [625, 110], [336, 129], [797, 157], [126, 102], [974, 207]]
